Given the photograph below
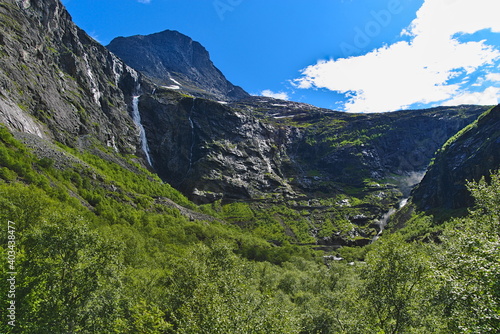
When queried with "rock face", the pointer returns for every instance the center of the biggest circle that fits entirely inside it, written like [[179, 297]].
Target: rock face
[[174, 60], [470, 155], [211, 151], [265, 148], [352, 148], [59, 83]]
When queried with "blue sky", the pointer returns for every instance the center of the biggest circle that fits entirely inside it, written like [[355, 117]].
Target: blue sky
[[350, 55]]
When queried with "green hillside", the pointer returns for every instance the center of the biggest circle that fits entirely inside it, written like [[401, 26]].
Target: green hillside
[[95, 249]]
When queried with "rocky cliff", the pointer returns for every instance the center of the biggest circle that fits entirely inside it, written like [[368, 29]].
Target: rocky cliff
[[58, 83], [212, 151], [200, 133], [329, 147], [260, 147], [469, 155], [176, 61]]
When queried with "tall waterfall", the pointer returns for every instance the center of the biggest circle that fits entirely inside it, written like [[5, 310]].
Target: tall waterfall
[[191, 124], [136, 116]]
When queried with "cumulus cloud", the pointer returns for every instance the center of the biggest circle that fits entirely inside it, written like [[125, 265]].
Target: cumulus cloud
[[488, 97], [432, 65], [270, 93]]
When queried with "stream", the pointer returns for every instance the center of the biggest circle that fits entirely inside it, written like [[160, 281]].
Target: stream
[[382, 222]]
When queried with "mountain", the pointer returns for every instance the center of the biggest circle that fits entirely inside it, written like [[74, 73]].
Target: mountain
[[471, 154], [279, 194], [62, 86], [348, 170], [58, 83], [65, 87], [174, 60], [353, 148]]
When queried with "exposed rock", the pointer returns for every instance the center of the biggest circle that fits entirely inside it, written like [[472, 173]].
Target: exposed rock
[[15, 118], [190, 214], [468, 156], [359, 147], [211, 151], [59, 83], [174, 60]]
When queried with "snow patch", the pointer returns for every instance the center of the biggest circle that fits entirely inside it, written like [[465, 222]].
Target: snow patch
[[175, 82], [171, 87]]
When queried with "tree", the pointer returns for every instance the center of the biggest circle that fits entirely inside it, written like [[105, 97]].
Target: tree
[[71, 279], [469, 264], [397, 285], [211, 290]]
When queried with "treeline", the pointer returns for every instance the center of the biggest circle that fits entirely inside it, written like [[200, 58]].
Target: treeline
[[96, 251]]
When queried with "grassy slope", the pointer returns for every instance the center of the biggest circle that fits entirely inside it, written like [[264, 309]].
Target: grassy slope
[[98, 251]]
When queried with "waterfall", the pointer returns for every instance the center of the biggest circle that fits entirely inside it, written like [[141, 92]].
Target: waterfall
[[191, 124], [94, 86], [136, 116], [385, 218]]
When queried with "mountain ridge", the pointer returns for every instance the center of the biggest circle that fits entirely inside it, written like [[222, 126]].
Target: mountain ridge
[[251, 149], [172, 59], [470, 155]]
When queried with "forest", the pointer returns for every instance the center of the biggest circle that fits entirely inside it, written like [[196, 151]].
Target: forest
[[89, 246]]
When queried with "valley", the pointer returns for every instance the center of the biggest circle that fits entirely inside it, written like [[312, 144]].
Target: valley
[[151, 195]]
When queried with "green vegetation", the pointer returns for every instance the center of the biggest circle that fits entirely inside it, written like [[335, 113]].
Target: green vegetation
[[464, 130], [97, 250]]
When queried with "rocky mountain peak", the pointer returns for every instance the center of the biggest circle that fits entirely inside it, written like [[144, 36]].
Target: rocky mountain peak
[[175, 61]]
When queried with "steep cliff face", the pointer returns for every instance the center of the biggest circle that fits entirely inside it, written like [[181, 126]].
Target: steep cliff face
[[60, 84], [210, 150], [352, 148], [57, 82], [469, 155], [176, 61], [333, 148], [261, 148]]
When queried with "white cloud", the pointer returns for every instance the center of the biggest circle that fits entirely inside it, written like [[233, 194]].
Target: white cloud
[[270, 93], [144, 1], [495, 77], [489, 97], [416, 71]]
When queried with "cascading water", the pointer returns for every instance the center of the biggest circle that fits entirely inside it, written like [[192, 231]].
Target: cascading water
[[191, 124], [136, 116], [385, 218]]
